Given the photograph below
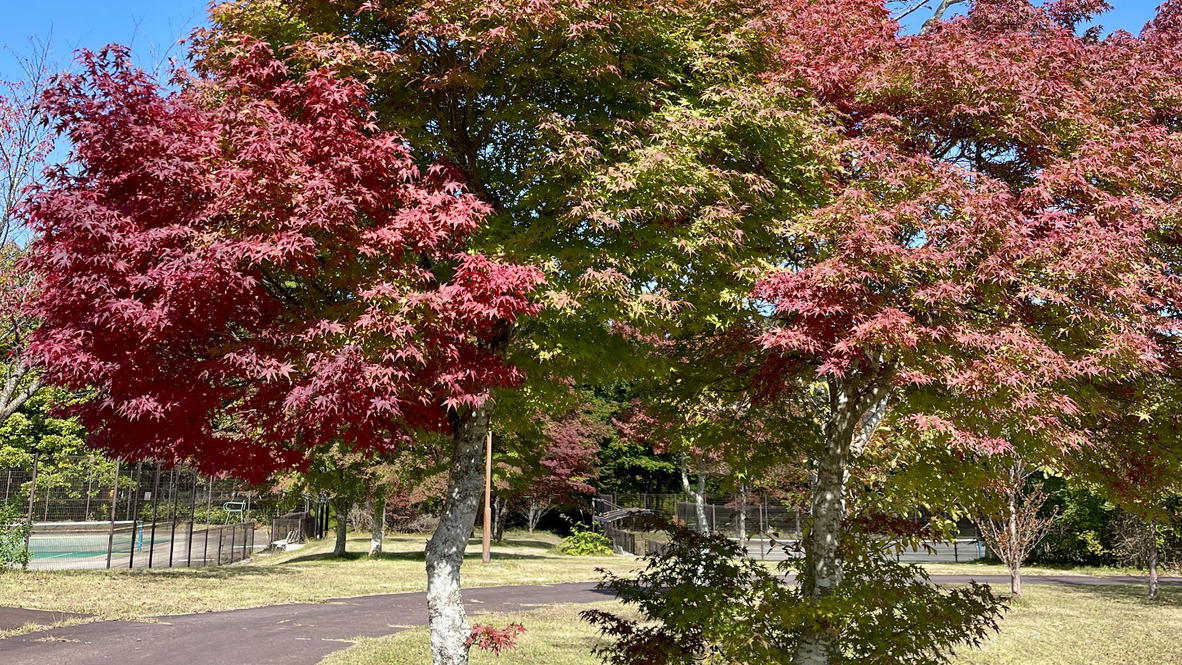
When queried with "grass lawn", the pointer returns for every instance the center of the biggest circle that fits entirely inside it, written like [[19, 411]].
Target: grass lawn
[[310, 574], [1048, 626], [975, 568]]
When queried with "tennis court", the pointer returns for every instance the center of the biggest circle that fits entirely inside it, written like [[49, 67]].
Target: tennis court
[[86, 512], [79, 540]]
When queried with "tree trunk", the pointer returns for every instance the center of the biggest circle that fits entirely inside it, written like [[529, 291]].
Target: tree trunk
[[697, 492], [341, 505], [534, 514], [379, 522], [1015, 558], [445, 551], [500, 516], [743, 515], [854, 414], [12, 395], [1152, 561]]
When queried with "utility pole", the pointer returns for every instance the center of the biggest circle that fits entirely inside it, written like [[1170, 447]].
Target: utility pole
[[486, 552]]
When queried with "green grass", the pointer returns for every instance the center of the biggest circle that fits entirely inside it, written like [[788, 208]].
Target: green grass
[[1081, 625], [310, 574], [1047, 626]]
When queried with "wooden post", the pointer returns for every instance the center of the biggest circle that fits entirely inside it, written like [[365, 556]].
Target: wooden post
[[486, 551]]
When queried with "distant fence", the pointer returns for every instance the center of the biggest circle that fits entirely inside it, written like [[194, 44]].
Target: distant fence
[[769, 527], [91, 513]]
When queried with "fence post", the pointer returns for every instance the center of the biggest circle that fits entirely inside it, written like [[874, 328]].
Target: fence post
[[192, 518], [208, 513], [114, 504], [174, 482], [221, 533], [32, 499], [133, 510], [233, 545], [48, 494], [155, 514], [89, 487]]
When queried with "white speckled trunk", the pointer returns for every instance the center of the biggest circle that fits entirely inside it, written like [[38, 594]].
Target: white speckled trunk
[[855, 413], [445, 551], [697, 492]]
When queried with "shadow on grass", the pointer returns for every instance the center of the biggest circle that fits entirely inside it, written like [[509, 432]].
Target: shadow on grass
[[532, 544], [1168, 595], [204, 573], [403, 556]]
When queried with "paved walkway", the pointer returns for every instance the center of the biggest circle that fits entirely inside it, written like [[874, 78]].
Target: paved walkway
[[300, 634], [303, 634]]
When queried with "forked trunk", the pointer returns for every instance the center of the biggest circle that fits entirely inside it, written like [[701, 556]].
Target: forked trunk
[[854, 415], [341, 506], [535, 514], [1151, 561], [379, 522], [822, 539], [445, 551]]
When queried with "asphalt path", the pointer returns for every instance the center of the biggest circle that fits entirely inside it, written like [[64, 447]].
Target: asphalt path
[[303, 634]]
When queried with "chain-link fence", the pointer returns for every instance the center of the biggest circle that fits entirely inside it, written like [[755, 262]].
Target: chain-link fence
[[764, 526], [90, 512]]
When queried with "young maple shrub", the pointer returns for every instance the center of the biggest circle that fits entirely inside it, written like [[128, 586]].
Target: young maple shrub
[[490, 638], [702, 600]]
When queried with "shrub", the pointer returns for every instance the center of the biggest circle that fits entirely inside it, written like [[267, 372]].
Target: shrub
[[491, 638], [14, 530], [700, 600], [586, 543]]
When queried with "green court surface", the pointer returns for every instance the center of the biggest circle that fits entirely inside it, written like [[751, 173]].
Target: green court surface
[[60, 541]]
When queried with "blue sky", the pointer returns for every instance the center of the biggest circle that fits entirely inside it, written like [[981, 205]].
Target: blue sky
[[151, 27]]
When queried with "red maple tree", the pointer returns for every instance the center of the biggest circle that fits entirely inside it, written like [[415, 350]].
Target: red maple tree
[[997, 240], [249, 268]]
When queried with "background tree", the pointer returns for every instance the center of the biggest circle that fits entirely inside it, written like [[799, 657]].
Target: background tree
[[1019, 523], [1137, 465], [561, 476], [25, 145]]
